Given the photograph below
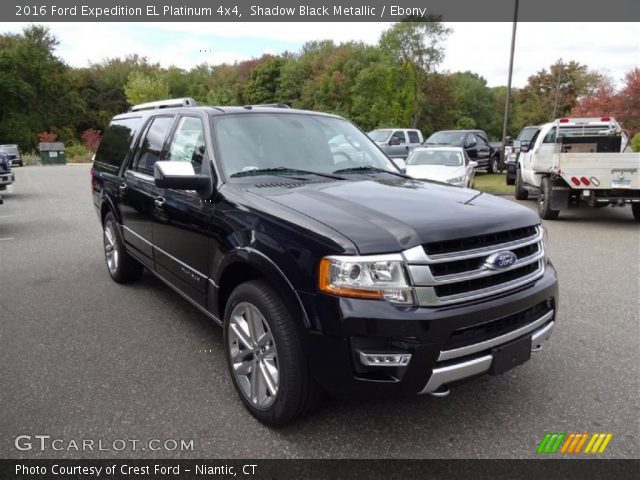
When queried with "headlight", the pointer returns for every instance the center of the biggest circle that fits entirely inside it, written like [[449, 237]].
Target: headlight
[[380, 277], [456, 180]]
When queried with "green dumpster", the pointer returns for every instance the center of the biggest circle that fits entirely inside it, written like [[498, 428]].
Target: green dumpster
[[52, 153]]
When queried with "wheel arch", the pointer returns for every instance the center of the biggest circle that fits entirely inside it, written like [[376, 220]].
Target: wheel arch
[[245, 264]]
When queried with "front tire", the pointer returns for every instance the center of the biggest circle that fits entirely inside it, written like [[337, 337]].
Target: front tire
[[521, 192], [264, 355], [635, 209], [544, 201], [122, 267]]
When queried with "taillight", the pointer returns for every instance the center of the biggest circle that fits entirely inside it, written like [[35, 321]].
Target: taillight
[[575, 181], [585, 181]]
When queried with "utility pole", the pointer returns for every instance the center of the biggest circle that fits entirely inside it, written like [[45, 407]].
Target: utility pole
[[508, 100], [555, 103]]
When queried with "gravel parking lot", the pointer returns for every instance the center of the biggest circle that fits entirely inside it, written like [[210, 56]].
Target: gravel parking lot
[[85, 358]]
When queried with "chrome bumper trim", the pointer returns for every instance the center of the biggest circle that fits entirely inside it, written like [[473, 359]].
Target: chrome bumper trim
[[478, 347], [451, 373], [476, 366]]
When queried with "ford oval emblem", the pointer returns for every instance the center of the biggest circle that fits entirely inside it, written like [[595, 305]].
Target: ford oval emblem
[[500, 260]]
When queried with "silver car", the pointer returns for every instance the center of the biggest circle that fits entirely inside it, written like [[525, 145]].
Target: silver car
[[449, 165]]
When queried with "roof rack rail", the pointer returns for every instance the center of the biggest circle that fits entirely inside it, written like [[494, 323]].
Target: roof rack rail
[[268, 105], [168, 103]]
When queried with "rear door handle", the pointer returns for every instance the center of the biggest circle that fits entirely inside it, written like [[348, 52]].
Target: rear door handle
[[122, 187], [159, 201]]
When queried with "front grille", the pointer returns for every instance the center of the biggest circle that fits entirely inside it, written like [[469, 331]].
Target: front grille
[[443, 275], [480, 241], [486, 331]]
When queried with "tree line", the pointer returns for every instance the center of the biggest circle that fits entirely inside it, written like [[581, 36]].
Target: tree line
[[395, 83]]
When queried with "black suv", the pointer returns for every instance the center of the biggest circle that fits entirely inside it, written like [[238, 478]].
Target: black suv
[[329, 271]]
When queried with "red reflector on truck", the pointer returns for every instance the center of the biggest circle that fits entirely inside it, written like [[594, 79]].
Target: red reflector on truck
[[605, 119], [564, 120], [575, 181], [585, 181]]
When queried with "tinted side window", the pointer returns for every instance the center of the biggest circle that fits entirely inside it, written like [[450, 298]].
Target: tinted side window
[[151, 145], [398, 137], [413, 137], [481, 140], [470, 140], [116, 141], [188, 143]]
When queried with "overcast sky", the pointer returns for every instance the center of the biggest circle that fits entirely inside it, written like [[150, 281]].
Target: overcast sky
[[480, 47]]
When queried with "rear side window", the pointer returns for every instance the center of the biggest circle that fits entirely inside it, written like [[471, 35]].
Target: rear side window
[[413, 136], [151, 145], [116, 141], [188, 143]]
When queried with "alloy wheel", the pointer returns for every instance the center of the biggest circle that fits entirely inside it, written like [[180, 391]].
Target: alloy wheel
[[253, 355], [110, 248]]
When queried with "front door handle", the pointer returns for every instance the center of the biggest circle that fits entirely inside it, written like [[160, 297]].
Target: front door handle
[[123, 188], [159, 201]]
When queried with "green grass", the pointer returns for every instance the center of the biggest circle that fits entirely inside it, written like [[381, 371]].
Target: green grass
[[493, 183]]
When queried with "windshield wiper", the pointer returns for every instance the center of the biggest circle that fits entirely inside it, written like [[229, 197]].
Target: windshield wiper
[[370, 169], [283, 170]]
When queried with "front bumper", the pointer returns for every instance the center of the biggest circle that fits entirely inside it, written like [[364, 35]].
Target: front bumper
[[344, 327], [7, 178]]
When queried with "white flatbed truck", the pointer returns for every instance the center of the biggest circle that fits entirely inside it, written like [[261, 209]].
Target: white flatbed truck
[[575, 162]]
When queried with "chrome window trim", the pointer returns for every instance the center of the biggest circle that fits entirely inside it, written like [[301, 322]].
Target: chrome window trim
[[478, 347]]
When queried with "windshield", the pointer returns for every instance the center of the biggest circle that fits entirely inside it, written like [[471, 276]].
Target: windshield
[[379, 135], [527, 134], [435, 157], [260, 143], [447, 138]]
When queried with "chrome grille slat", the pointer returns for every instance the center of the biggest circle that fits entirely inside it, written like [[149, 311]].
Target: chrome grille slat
[[426, 283]]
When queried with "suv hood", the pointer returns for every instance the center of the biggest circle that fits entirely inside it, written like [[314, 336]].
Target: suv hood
[[381, 216]]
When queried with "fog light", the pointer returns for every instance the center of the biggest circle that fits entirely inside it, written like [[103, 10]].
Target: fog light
[[385, 359]]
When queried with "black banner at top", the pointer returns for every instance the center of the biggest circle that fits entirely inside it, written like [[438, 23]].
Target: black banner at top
[[318, 10]]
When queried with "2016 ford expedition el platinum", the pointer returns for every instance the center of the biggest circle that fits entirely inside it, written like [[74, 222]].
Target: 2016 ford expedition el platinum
[[329, 271]]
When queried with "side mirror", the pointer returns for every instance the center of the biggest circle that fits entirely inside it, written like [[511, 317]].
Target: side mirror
[[473, 164], [524, 147], [181, 176]]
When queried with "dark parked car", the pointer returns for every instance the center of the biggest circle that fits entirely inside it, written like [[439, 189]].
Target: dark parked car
[[326, 273], [7, 177], [13, 152], [475, 143], [522, 140]]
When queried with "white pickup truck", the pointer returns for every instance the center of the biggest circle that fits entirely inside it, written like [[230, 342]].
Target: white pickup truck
[[579, 161]]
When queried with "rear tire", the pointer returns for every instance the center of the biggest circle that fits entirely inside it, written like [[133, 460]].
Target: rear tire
[[510, 180], [544, 201], [122, 267], [265, 357], [635, 209], [521, 192], [494, 164]]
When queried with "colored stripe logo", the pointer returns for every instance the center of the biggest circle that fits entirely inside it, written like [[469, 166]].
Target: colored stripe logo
[[574, 443]]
